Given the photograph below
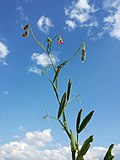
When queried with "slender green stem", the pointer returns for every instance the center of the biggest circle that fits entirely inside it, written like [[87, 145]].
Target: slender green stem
[[37, 41], [56, 93], [65, 128], [54, 37], [49, 54], [62, 126], [74, 55], [77, 137], [73, 155]]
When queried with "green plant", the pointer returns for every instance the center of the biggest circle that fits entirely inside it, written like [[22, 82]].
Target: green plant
[[77, 152]]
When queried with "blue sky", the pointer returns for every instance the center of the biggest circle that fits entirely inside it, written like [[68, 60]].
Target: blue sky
[[25, 94]]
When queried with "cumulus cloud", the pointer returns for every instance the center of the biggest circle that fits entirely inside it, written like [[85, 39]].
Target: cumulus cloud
[[3, 52], [35, 70], [70, 24], [43, 59], [112, 20], [34, 147], [80, 13], [37, 138], [44, 24]]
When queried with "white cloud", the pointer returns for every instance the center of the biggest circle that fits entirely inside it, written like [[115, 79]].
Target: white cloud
[[3, 50], [70, 24], [35, 70], [3, 53], [22, 14], [112, 21], [80, 13], [38, 138], [44, 24], [31, 148], [43, 59]]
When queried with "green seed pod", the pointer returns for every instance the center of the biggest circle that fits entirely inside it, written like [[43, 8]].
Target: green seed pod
[[62, 105], [109, 155], [85, 121], [83, 52], [85, 146]]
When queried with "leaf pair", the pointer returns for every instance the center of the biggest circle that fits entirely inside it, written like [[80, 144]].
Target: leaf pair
[[64, 100], [80, 127]]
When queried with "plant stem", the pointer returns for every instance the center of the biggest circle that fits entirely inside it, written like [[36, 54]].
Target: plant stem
[[73, 155], [37, 41], [65, 128]]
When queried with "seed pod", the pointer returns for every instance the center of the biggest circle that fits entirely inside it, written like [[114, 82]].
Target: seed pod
[[109, 155], [83, 52], [85, 146]]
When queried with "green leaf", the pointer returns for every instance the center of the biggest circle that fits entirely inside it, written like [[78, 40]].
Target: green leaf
[[85, 146], [78, 120], [69, 89], [85, 121], [58, 70], [62, 105], [109, 155]]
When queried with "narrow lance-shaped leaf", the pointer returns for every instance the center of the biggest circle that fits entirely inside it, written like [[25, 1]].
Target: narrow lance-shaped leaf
[[62, 105], [85, 146], [85, 121], [109, 155], [78, 120], [58, 70], [69, 89]]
